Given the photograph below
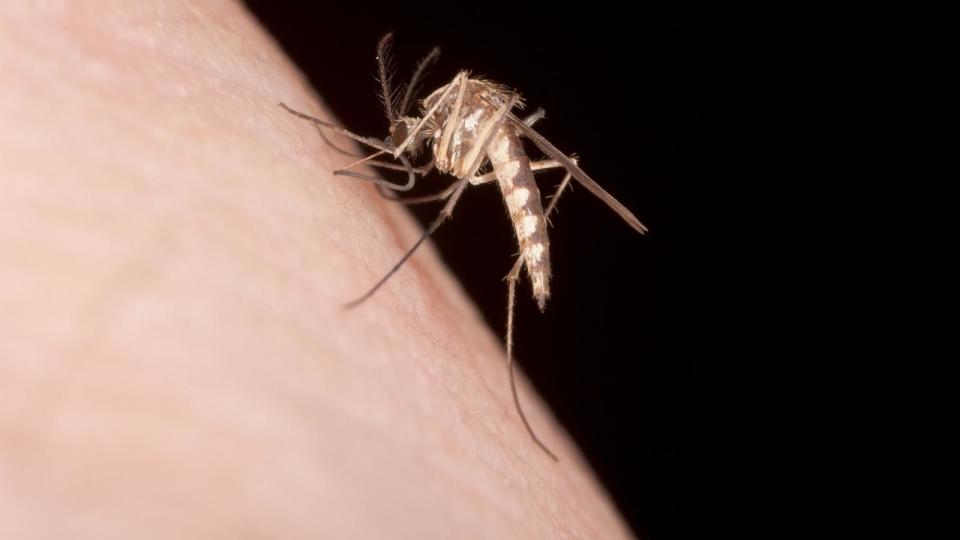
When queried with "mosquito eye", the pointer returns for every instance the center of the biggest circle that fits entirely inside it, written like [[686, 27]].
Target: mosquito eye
[[398, 133]]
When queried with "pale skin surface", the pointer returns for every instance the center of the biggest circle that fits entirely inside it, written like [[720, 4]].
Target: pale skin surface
[[174, 362]]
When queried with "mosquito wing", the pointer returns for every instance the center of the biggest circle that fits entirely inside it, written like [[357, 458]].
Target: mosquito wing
[[582, 177]]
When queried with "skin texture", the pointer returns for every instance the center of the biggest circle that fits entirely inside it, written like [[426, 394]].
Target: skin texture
[[174, 361]]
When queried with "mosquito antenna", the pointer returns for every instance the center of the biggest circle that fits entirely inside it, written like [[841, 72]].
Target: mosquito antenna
[[411, 90], [385, 70]]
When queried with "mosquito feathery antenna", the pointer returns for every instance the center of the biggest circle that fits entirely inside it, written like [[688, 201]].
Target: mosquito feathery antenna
[[385, 71], [512, 278], [445, 213], [411, 90]]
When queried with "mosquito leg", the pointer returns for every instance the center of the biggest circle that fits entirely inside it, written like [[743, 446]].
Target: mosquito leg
[[582, 177], [453, 120], [535, 166], [483, 178], [445, 214], [381, 184], [421, 199], [376, 163], [411, 177], [371, 142], [478, 153], [390, 195], [512, 278], [422, 171], [533, 118], [336, 148], [406, 167]]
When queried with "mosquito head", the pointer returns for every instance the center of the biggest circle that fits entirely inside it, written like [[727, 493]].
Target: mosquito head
[[401, 128]]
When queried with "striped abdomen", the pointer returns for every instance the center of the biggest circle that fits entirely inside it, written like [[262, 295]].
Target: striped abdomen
[[512, 167]]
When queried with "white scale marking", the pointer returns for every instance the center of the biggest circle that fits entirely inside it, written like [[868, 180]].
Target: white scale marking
[[518, 198], [528, 226], [457, 141], [470, 122], [509, 170], [534, 252], [501, 148]]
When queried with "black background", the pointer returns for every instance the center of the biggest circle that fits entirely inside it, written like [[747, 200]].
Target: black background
[[638, 344]]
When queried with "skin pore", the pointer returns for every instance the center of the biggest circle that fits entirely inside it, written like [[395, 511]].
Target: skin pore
[[175, 362]]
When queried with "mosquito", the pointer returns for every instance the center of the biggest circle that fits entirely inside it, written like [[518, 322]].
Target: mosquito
[[466, 125]]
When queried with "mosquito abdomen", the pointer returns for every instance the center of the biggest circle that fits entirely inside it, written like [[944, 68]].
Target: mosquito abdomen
[[512, 167]]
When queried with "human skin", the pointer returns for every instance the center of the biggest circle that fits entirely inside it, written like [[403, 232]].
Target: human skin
[[174, 359]]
